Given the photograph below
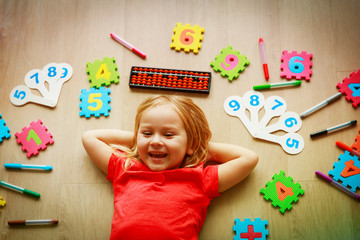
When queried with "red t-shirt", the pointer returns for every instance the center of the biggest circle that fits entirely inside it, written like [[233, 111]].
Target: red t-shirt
[[167, 205]]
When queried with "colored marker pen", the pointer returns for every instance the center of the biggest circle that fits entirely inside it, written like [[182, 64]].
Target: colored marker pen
[[280, 84], [336, 184], [127, 45], [19, 189], [332, 129], [27, 166], [263, 57]]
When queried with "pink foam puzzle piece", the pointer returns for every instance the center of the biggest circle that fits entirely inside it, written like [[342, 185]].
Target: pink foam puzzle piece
[[34, 138], [296, 65]]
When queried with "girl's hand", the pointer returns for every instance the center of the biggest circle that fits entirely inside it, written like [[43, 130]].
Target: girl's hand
[[97, 144], [236, 163]]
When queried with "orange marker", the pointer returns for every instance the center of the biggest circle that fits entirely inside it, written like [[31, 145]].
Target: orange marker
[[347, 148]]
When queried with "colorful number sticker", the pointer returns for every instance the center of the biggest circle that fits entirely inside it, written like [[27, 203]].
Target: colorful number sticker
[[95, 102], [34, 138], [296, 65], [350, 86], [187, 37], [229, 63], [102, 72]]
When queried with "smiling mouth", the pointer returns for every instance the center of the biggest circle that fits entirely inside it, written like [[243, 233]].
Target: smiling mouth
[[157, 154]]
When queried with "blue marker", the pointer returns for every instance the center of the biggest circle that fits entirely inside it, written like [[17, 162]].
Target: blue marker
[[28, 166]]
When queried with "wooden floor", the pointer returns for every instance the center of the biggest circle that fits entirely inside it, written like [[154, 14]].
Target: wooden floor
[[35, 33]]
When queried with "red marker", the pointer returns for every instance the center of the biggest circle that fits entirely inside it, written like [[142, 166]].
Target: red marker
[[347, 148], [128, 45], [265, 66]]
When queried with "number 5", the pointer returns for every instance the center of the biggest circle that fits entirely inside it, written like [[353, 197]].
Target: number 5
[[292, 142], [98, 102]]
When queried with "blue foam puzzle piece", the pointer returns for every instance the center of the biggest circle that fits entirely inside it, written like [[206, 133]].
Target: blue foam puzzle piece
[[351, 181], [4, 130], [95, 102], [259, 226]]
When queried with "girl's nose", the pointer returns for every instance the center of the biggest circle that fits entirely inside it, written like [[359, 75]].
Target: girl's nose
[[156, 140]]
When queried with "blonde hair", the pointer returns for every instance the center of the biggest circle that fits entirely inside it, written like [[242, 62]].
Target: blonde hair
[[195, 124]]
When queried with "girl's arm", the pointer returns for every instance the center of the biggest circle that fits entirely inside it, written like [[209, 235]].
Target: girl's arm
[[97, 144], [236, 163]]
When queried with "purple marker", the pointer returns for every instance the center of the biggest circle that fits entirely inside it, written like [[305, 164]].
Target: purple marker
[[336, 184]]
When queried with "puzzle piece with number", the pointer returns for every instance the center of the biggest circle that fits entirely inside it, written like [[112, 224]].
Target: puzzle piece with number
[[95, 102], [282, 191], [102, 72], [275, 106], [250, 229], [229, 63], [347, 170], [296, 65], [356, 144], [350, 86], [4, 130], [34, 138], [2, 202], [187, 37], [54, 74]]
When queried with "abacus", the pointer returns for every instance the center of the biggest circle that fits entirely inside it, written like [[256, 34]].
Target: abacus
[[170, 79]]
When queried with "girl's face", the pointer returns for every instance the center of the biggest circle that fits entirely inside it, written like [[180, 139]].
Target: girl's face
[[162, 139]]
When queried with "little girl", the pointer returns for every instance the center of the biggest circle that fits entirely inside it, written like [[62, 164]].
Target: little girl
[[161, 186]]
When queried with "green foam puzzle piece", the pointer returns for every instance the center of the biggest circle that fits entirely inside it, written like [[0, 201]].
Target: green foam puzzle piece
[[229, 63], [102, 72], [282, 191]]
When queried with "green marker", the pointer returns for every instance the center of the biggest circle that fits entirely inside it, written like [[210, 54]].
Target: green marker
[[19, 189], [279, 84]]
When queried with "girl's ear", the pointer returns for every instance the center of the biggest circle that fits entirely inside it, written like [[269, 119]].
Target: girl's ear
[[189, 151]]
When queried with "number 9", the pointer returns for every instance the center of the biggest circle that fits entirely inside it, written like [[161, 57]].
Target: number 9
[[230, 60], [235, 105]]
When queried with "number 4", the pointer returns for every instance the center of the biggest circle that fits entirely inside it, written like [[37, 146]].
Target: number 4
[[103, 72]]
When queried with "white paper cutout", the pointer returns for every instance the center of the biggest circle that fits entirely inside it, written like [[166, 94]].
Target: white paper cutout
[[53, 73], [274, 106]]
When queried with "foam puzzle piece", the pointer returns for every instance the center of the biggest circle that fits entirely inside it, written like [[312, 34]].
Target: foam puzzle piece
[[187, 37], [34, 138], [102, 72], [347, 170], [296, 65], [250, 229], [2, 202], [282, 191], [95, 102], [356, 144], [4, 130], [350, 86], [229, 63]]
